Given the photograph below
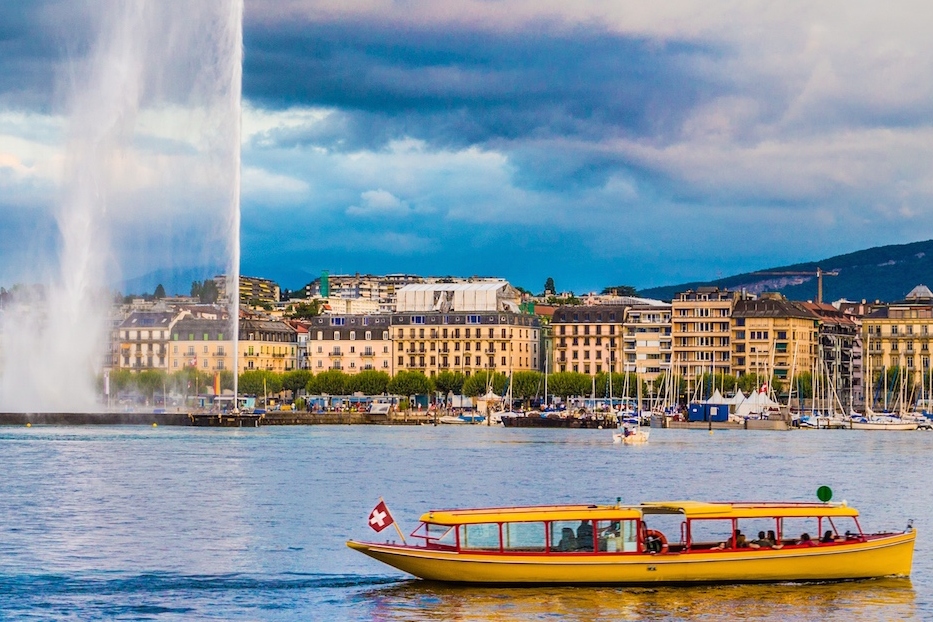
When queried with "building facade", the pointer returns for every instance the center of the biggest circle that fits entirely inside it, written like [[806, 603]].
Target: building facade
[[897, 338], [840, 351], [701, 332], [647, 341], [143, 339], [350, 343], [203, 344], [588, 339], [267, 344], [773, 337]]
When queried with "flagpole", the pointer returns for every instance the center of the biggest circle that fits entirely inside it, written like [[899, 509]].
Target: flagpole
[[394, 522]]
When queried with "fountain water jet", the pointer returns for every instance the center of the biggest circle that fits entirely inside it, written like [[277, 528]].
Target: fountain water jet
[[151, 181]]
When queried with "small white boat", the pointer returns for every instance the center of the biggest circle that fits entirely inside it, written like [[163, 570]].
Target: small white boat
[[461, 419], [630, 434], [882, 423]]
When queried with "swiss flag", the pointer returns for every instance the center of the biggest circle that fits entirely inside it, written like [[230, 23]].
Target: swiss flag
[[380, 518]]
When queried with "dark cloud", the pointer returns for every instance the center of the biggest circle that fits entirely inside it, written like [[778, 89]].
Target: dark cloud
[[464, 87]]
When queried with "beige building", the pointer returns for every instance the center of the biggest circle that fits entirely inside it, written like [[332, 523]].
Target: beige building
[[772, 335], [206, 345], [588, 339], [701, 332], [898, 335], [350, 343], [267, 344], [143, 340], [647, 340], [432, 342]]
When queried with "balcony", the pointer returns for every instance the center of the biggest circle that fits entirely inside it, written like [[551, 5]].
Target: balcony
[[336, 353]]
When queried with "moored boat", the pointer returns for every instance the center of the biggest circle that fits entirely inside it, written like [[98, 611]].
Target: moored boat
[[620, 545]]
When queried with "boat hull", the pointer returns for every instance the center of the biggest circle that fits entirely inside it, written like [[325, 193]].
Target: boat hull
[[872, 425], [878, 557]]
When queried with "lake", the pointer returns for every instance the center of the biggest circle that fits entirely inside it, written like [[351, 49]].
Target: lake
[[173, 523]]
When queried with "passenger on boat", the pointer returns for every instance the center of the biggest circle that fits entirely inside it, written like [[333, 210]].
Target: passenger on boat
[[585, 536], [828, 537], [737, 541], [568, 542], [774, 541], [760, 542], [805, 540]]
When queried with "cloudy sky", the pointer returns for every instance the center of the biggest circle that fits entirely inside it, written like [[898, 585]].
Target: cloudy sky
[[599, 143]]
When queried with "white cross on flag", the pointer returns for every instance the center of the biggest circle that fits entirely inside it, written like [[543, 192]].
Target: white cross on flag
[[380, 518]]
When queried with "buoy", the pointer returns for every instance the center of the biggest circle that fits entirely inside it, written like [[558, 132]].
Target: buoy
[[155, 425], [28, 425], [711, 432]]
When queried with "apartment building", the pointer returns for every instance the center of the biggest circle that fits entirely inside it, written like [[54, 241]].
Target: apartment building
[[143, 340], [466, 327], [588, 339], [840, 351], [204, 344], [700, 324], [350, 343], [432, 342], [267, 344], [647, 341], [898, 335], [773, 337]]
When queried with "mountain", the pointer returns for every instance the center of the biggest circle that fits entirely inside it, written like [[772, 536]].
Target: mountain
[[174, 280], [883, 273]]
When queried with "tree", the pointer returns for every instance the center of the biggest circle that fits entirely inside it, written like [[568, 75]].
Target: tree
[[802, 385], [295, 380], [449, 382], [483, 381], [410, 383], [120, 380], [159, 292], [260, 382], [567, 383], [206, 291], [305, 310], [151, 380], [330, 382], [620, 290], [369, 382], [549, 287], [527, 384]]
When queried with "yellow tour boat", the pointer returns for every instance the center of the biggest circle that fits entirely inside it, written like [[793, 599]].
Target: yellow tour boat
[[619, 545]]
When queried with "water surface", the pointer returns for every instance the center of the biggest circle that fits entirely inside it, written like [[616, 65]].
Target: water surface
[[186, 523]]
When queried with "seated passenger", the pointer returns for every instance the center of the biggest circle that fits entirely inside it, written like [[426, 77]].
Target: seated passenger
[[761, 542], [737, 541], [774, 541], [828, 537], [805, 540], [585, 536], [568, 542]]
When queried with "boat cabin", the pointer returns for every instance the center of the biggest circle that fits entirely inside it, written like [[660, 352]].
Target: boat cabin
[[689, 527]]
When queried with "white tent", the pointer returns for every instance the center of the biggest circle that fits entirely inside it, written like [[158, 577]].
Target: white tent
[[756, 404]]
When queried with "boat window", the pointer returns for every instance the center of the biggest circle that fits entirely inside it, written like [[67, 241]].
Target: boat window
[[617, 536], [572, 536], [523, 536], [443, 535], [709, 533], [480, 537], [751, 527], [791, 529]]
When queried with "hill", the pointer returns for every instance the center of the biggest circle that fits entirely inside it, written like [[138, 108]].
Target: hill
[[884, 273]]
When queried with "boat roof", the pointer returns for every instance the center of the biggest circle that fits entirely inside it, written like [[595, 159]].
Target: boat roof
[[531, 513], [700, 509], [690, 509]]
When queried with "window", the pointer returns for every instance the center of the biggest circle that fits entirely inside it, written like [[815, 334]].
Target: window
[[338, 321], [352, 335], [524, 536], [417, 319], [572, 536], [473, 319], [369, 335], [480, 537]]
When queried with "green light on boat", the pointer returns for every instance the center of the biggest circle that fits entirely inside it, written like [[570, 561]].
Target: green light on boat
[[824, 493]]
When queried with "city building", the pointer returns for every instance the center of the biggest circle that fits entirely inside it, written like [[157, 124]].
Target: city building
[[466, 327], [256, 291], [897, 337], [773, 337], [840, 351], [647, 341], [266, 344], [350, 343], [143, 339], [700, 324], [203, 344], [588, 339]]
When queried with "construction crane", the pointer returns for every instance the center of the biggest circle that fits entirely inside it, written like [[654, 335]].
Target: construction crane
[[819, 274]]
